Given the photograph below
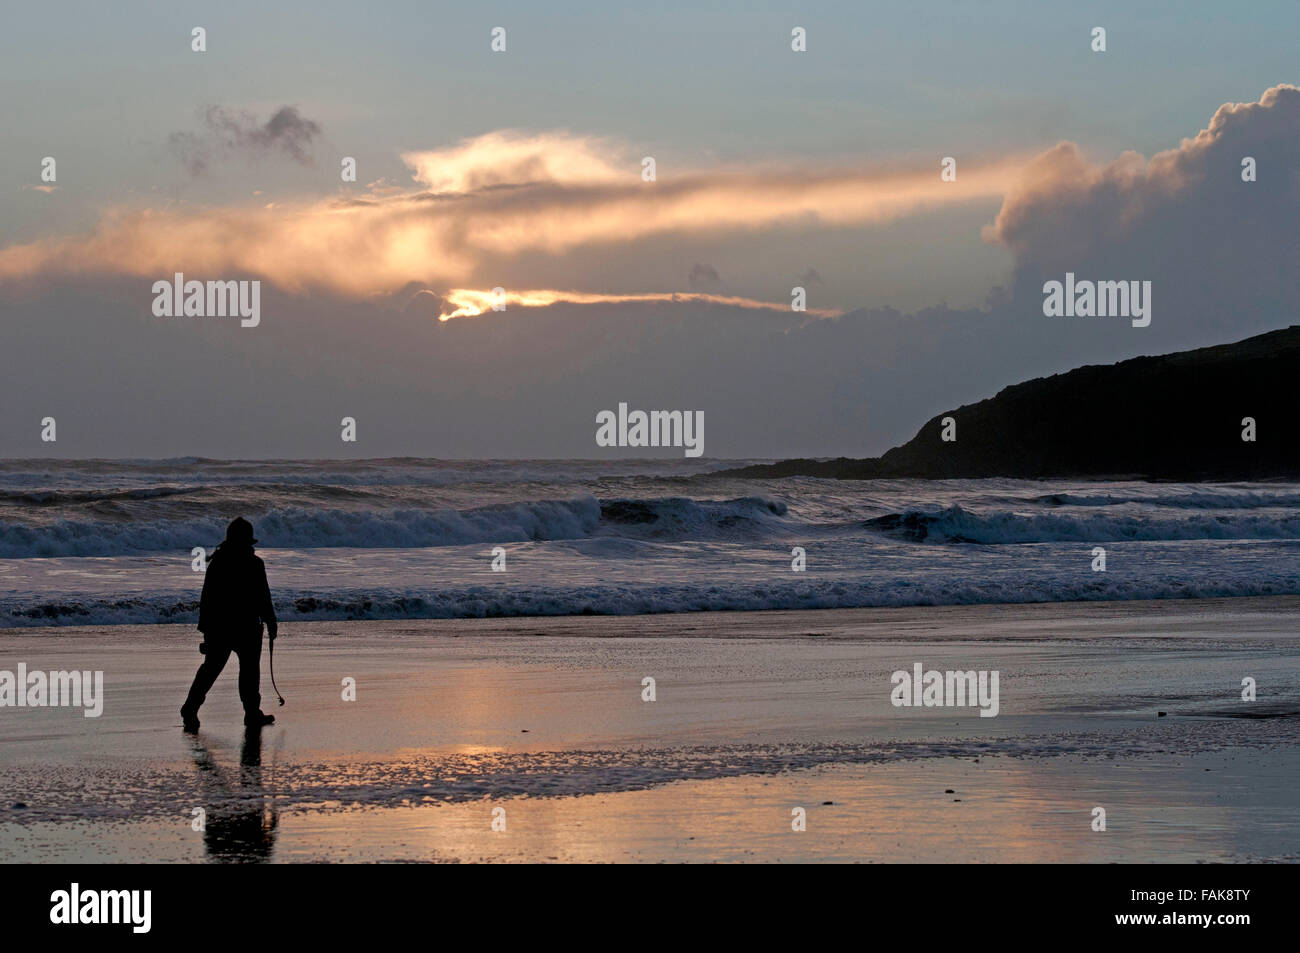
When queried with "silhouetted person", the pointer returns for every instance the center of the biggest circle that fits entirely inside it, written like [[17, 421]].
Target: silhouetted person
[[236, 601]]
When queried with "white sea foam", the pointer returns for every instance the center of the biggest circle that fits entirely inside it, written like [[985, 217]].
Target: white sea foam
[[110, 542]]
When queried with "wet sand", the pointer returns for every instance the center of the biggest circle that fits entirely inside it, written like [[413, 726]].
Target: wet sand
[[756, 714]]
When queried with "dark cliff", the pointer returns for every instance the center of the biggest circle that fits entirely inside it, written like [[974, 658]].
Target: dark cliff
[[1173, 417]]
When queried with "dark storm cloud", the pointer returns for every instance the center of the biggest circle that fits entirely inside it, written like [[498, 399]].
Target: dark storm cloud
[[227, 132]]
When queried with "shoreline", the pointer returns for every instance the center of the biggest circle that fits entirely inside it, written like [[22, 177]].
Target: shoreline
[[842, 623]]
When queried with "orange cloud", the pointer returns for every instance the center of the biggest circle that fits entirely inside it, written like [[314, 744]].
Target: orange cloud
[[512, 158], [496, 196]]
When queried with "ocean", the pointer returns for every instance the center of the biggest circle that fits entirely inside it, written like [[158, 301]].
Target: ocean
[[97, 542]]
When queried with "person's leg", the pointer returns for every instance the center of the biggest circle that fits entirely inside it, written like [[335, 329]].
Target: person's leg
[[213, 662], [250, 676]]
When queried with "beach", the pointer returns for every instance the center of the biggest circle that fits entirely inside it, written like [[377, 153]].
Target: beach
[[755, 715]]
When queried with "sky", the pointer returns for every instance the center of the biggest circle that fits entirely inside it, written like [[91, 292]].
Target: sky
[[523, 169]]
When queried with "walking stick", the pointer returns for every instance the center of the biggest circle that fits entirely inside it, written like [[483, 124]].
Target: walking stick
[[277, 690]]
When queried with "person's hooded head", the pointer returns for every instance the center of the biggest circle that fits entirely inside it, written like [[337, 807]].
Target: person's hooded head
[[239, 534]]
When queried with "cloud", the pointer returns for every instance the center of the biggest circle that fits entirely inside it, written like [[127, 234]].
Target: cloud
[[1100, 204], [424, 304], [703, 275], [524, 383], [509, 158], [494, 197], [1220, 251], [384, 186], [229, 132]]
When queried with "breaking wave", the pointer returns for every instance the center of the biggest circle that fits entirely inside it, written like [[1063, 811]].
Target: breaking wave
[[302, 527], [953, 524]]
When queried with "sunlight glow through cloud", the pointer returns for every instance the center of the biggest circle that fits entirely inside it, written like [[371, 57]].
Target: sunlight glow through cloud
[[469, 303]]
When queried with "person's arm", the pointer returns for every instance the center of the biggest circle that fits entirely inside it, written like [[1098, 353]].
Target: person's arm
[[266, 610]]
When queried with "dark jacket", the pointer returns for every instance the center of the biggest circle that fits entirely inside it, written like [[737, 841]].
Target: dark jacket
[[236, 598]]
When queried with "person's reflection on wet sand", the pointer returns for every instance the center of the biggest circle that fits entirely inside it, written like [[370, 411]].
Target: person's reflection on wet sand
[[241, 821]]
